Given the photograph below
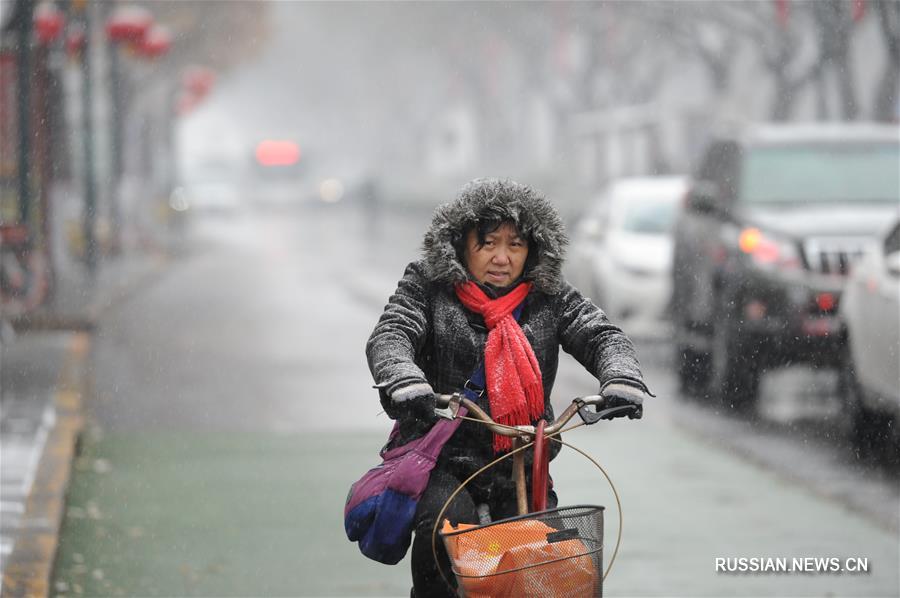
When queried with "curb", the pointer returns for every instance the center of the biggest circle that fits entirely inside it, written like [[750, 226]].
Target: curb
[[30, 564], [29, 568]]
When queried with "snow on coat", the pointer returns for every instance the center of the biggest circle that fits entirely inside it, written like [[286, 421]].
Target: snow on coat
[[425, 335]]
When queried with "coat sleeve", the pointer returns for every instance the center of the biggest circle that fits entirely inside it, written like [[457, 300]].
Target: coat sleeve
[[400, 334], [601, 347]]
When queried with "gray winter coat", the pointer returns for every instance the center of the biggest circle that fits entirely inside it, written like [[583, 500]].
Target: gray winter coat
[[425, 334]]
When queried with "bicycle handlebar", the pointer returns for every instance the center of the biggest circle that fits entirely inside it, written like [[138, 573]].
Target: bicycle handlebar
[[449, 404]]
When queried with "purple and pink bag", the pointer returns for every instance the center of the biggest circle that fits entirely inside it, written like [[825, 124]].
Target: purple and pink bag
[[381, 505]]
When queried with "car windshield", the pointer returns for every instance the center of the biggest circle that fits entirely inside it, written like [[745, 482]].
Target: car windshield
[[648, 216], [864, 173]]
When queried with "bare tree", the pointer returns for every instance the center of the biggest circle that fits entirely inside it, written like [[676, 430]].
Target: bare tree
[[217, 34], [835, 28], [696, 28], [780, 45]]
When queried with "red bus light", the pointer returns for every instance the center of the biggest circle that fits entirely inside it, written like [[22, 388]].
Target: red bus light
[[277, 153]]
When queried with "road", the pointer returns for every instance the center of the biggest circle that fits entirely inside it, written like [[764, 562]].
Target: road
[[231, 409]]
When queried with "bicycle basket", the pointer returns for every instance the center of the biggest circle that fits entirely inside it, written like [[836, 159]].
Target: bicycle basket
[[553, 553]]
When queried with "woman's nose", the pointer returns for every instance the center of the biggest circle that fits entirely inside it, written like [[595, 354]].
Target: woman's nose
[[501, 257]]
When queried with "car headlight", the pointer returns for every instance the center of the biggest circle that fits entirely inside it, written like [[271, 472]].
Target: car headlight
[[768, 251], [331, 190]]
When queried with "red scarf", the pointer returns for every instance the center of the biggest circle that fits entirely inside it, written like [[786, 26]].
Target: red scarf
[[514, 384]]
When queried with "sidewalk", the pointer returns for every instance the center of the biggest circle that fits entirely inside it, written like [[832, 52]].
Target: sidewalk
[[43, 378]]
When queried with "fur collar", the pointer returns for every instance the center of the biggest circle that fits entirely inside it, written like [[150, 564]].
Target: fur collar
[[496, 199]]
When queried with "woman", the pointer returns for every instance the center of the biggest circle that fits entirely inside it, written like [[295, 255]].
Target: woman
[[488, 290]]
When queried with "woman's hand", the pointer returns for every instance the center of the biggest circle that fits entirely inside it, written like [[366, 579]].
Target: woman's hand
[[619, 394], [415, 400]]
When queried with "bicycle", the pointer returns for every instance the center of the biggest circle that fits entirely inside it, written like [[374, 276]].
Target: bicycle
[[541, 552]]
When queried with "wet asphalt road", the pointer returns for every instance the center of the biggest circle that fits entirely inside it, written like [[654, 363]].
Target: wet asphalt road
[[256, 333]]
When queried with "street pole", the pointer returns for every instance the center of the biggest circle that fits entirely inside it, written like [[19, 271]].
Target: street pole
[[23, 67], [90, 190], [115, 80]]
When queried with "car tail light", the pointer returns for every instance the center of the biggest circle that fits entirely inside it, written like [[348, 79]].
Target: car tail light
[[755, 310], [826, 301], [768, 251]]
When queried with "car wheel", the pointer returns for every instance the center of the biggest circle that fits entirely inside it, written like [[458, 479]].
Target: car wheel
[[871, 433], [692, 364], [867, 431], [733, 371]]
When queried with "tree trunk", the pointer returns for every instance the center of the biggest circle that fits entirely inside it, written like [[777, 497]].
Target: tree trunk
[[843, 71], [887, 104], [783, 102], [822, 95], [835, 29]]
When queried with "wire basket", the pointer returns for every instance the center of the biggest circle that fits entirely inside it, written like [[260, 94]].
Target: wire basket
[[558, 552]]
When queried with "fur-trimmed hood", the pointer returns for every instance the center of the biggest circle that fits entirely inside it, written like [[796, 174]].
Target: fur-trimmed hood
[[494, 199]]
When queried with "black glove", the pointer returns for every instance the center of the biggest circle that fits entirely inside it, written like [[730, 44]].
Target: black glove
[[619, 394], [416, 400]]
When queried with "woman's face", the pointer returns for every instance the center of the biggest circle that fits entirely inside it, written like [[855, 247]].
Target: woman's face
[[501, 260]]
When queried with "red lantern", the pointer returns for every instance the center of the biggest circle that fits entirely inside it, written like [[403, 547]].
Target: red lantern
[[128, 23], [48, 22], [75, 40], [155, 42]]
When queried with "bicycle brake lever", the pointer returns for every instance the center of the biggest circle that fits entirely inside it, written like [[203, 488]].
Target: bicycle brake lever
[[445, 413], [592, 417], [451, 410]]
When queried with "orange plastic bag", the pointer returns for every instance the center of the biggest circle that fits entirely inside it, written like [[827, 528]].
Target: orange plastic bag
[[488, 561]]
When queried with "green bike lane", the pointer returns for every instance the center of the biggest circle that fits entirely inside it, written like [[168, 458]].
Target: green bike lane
[[163, 513]]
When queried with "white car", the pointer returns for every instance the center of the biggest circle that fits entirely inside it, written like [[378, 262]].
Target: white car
[[622, 250], [870, 306]]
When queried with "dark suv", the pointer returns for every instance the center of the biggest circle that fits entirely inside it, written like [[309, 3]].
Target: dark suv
[[774, 217]]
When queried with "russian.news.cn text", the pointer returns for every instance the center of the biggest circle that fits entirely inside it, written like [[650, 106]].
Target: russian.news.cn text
[[809, 564]]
